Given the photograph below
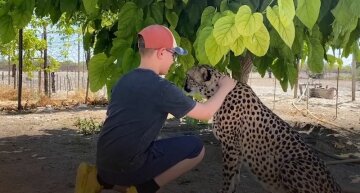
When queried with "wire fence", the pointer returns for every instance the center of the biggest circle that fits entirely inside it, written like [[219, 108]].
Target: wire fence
[[68, 81], [58, 82]]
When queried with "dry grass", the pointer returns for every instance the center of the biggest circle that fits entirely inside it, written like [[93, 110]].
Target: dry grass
[[31, 100], [10, 94]]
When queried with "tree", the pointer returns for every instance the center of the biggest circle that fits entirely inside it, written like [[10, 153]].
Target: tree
[[270, 34]]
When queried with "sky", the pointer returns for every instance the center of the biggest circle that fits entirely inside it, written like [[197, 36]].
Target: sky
[[57, 45]]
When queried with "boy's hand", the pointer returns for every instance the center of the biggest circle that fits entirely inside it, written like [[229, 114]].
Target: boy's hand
[[227, 83]]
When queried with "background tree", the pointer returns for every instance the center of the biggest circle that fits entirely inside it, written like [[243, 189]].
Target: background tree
[[232, 35]]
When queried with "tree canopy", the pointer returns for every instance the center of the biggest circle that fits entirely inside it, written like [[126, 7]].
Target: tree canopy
[[277, 33]]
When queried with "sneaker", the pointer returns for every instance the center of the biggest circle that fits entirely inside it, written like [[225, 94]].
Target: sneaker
[[131, 189], [86, 179]]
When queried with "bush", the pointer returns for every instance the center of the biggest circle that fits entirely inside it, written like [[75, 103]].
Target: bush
[[88, 126]]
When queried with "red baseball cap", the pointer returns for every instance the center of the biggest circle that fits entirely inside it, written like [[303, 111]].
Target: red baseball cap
[[158, 36]]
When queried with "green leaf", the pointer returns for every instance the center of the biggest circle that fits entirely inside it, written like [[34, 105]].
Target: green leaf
[[169, 4], [207, 16], [157, 12], [199, 45], [331, 61], [89, 38], [259, 42], [119, 47], [4, 9], [143, 3], [22, 14], [55, 12], [355, 7], [17, 2], [224, 6], [91, 7], [194, 11], [286, 11], [172, 18], [308, 12], [353, 41], [98, 71], [265, 4], [234, 66], [42, 7], [176, 35], [238, 46], [298, 44], [225, 31], [234, 6], [356, 52], [68, 5], [103, 41], [217, 16], [286, 32], [284, 83], [275, 40], [149, 21], [292, 74], [129, 17], [262, 64], [111, 82], [186, 61], [213, 50], [279, 69], [7, 32], [130, 60], [316, 51], [246, 22], [345, 22]]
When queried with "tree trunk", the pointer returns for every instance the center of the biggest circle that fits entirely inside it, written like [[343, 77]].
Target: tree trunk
[[78, 72], [14, 74], [53, 82], [20, 68], [88, 56], [9, 76], [39, 77], [46, 76], [246, 63], [296, 86]]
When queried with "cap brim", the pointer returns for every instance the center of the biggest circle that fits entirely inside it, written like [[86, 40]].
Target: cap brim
[[180, 51]]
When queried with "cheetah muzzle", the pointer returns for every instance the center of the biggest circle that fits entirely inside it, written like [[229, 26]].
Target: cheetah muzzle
[[252, 135]]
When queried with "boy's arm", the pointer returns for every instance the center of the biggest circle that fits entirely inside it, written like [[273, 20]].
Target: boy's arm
[[204, 111]]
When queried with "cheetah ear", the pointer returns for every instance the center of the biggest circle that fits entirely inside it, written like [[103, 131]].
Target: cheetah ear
[[206, 75]]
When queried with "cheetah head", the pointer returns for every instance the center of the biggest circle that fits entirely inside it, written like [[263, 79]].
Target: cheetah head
[[203, 79]]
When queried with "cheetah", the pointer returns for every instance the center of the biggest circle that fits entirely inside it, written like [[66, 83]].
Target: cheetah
[[251, 135]]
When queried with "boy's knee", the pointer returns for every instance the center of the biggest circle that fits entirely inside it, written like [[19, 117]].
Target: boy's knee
[[198, 148]]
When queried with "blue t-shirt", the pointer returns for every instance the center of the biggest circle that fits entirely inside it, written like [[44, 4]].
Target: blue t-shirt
[[140, 103]]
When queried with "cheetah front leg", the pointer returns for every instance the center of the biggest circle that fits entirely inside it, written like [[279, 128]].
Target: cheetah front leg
[[231, 168]]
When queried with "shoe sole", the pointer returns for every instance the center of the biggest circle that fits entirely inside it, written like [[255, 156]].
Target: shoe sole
[[81, 178]]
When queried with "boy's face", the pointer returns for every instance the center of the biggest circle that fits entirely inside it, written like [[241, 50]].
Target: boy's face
[[168, 58]]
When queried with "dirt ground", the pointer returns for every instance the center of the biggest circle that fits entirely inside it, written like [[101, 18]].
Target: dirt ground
[[39, 151]]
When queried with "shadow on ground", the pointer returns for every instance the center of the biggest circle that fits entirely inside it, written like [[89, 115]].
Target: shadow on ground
[[47, 163]]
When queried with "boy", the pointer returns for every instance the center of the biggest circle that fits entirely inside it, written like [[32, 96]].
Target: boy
[[129, 158]]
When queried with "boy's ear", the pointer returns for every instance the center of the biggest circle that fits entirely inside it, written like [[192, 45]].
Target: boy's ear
[[159, 53]]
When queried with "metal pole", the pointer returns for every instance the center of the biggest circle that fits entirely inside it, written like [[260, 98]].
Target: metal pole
[[274, 92], [353, 83], [337, 92]]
